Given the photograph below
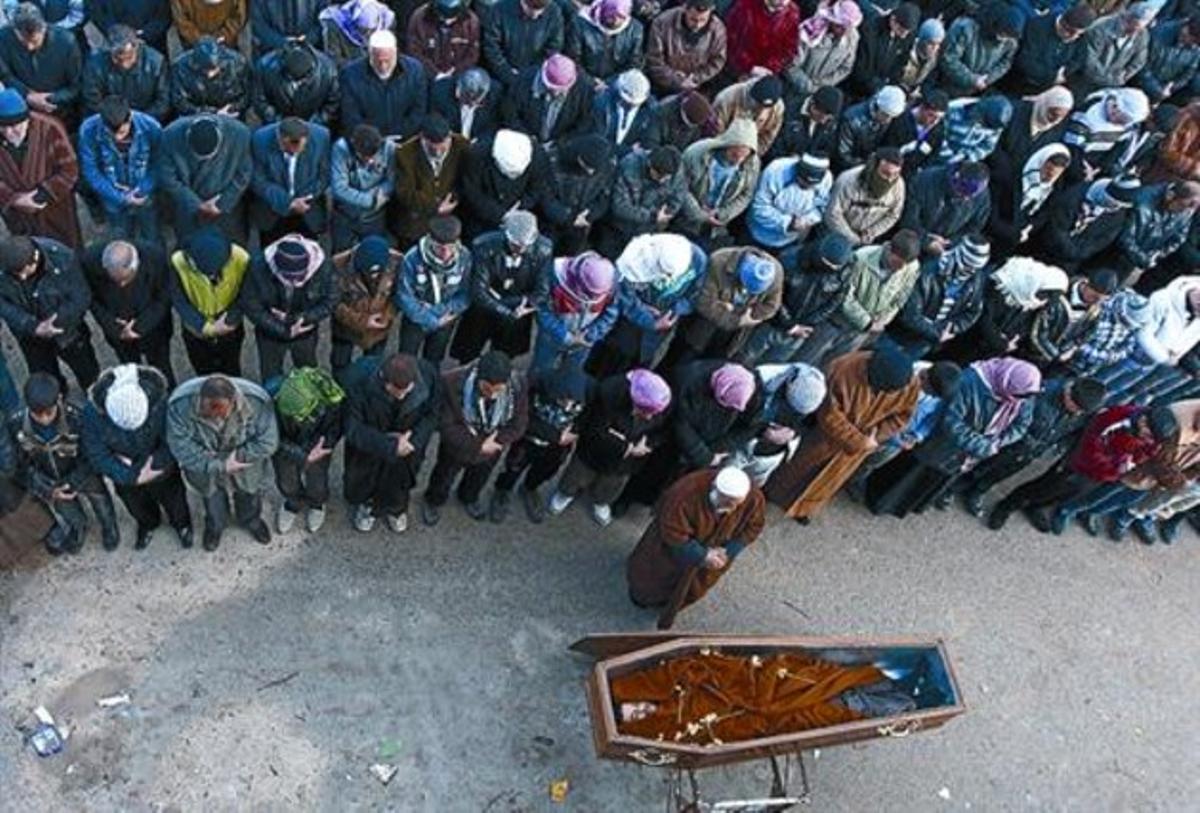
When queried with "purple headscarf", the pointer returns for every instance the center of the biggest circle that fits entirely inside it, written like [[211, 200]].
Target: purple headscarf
[[359, 19], [1009, 381], [648, 391], [732, 386]]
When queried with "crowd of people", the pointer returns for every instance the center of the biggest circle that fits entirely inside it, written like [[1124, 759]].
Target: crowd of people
[[753, 250]]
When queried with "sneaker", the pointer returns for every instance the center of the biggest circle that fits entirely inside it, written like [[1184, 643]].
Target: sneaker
[[535, 508], [559, 502], [1059, 522], [185, 536], [430, 514], [1117, 530], [259, 530], [1168, 531], [477, 510], [1093, 524], [996, 519], [973, 502], [398, 523], [602, 514], [285, 519], [144, 535], [363, 519], [1144, 530], [314, 520], [498, 512], [211, 539]]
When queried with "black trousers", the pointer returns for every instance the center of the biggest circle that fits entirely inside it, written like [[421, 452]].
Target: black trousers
[[272, 353], [383, 484], [1056, 485], [247, 507], [446, 471], [997, 468], [538, 463], [341, 353], [148, 502], [71, 515], [220, 354], [430, 346], [153, 349], [302, 484], [44, 356]]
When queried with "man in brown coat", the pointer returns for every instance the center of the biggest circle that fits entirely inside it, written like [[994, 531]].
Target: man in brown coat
[[701, 524], [428, 166], [686, 47], [365, 277], [1179, 153], [742, 289], [871, 397], [38, 171], [223, 19], [445, 36]]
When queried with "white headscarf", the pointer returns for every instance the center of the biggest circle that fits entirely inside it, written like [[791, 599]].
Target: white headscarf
[[1034, 190], [512, 152], [655, 259], [1021, 279]]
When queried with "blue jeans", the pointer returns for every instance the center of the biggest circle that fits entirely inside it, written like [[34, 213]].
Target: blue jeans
[[549, 354], [1103, 501]]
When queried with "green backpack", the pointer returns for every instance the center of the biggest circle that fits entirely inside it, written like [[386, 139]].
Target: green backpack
[[305, 393]]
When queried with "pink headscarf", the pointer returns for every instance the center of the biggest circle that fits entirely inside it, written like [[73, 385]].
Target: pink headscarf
[[648, 391], [732, 386], [610, 16], [1009, 381], [559, 72], [843, 13]]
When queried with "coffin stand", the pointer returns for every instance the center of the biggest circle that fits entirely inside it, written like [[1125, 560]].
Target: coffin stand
[[939, 699]]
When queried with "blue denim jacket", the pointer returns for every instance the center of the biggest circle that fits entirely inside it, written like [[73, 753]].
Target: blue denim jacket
[[106, 170]]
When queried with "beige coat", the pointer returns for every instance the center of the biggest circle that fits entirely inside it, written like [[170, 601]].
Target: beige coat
[[857, 216], [735, 102]]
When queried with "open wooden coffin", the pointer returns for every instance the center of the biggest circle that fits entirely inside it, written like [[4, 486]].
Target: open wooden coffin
[[939, 699]]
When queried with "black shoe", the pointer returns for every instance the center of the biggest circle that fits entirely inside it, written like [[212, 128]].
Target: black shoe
[[73, 543], [1038, 520], [1168, 531], [144, 535], [1058, 522], [535, 508], [997, 518], [1143, 529], [1092, 523], [498, 511], [476, 509], [430, 514], [1117, 530], [942, 502], [802, 520], [185, 536], [620, 508], [111, 543], [973, 502], [211, 539], [259, 530]]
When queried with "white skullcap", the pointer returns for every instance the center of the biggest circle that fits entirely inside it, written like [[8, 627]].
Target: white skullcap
[[890, 100], [384, 39], [126, 402], [633, 86], [733, 482], [806, 390], [512, 152]]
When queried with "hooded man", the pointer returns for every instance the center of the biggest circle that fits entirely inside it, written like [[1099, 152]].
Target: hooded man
[[310, 411], [38, 173], [867, 201], [791, 198], [46, 434], [759, 101], [576, 313], [130, 69], [206, 279], [720, 175], [922, 60], [362, 181], [222, 431], [704, 521], [468, 102], [625, 115], [445, 35], [871, 396], [385, 88], [485, 410], [647, 193], [621, 424], [519, 34], [210, 78], [205, 169], [580, 191], [827, 48], [291, 178], [864, 124], [130, 301], [507, 171], [945, 204], [287, 295], [510, 266], [41, 62], [686, 47], [428, 170], [364, 311], [118, 151], [979, 52], [606, 39], [815, 284], [43, 300], [124, 439], [434, 289], [296, 80], [549, 101]]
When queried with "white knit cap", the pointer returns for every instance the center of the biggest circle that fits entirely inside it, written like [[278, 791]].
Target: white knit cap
[[126, 402], [383, 39], [806, 390], [890, 100], [512, 152], [732, 482], [633, 86]]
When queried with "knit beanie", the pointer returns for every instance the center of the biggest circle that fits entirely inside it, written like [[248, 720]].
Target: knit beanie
[[520, 227], [806, 389], [41, 392], [13, 109], [890, 100], [126, 403], [835, 250], [931, 30], [633, 87], [755, 272], [812, 168], [767, 90], [209, 250], [290, 258], [372, 254], [828, 99], [993, 111], [888, 369]]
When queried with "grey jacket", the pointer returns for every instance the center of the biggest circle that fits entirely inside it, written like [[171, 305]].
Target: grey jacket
[[968, 54], [826, 63], [1107, 60], [201, 448]]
